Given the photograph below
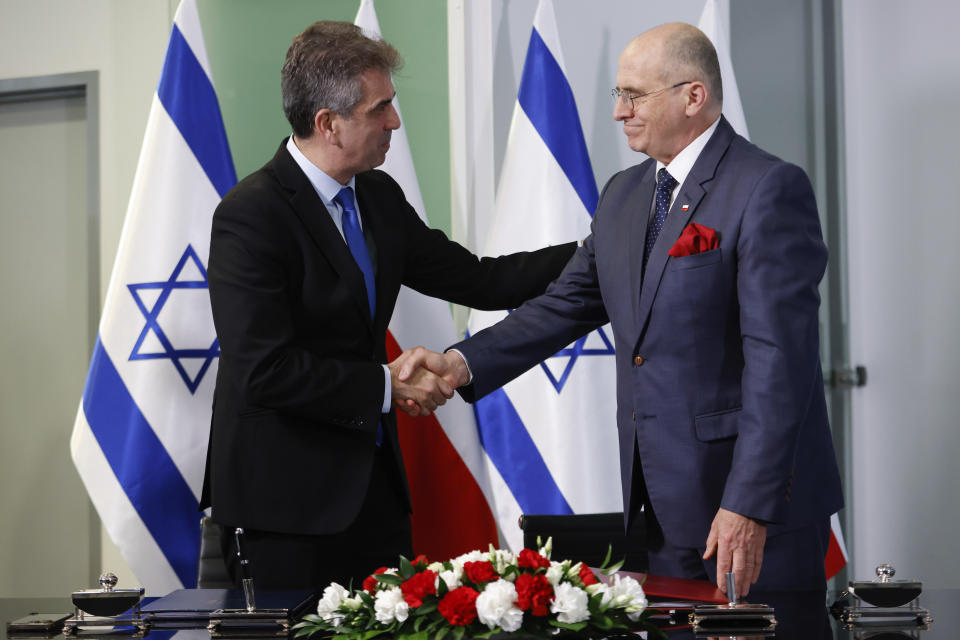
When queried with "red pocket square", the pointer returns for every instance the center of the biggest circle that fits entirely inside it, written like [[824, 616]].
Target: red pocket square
[[695, 238]]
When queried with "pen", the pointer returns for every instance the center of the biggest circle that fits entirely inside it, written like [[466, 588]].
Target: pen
[[731, 590], [246, 580]]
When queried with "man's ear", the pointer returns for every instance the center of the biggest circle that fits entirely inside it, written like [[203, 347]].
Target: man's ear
[[696, 97], [325, 124]]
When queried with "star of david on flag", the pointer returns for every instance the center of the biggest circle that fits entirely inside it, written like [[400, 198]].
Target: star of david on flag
[[558, 367], [568, 357], [153, 328], [140, 438]]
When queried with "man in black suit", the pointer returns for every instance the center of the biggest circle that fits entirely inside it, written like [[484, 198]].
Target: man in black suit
[[307, 256]]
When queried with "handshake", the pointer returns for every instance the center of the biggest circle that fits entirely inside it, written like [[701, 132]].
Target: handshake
[[422, 380]]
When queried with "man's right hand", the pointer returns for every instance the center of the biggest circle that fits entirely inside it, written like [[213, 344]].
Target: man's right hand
[[450, 365], [418, 393]]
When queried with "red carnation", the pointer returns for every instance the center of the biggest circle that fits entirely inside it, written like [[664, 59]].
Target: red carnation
[[534, 593], [532, 560], [420, 561], [586, 576], [459, 606], [480, 572], [418, 587], [370, 584]]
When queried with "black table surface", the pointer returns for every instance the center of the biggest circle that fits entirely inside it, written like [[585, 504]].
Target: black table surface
[[798, 615]]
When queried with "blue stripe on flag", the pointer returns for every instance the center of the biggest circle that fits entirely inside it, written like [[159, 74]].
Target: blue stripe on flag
[[547, 99], [512, 450], [188, 96], [143, 467]]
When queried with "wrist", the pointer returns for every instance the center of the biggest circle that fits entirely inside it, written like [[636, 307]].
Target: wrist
[[457, 367]]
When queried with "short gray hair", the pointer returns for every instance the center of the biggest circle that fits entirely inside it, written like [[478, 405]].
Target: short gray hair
[[323, 68], [690, 49]]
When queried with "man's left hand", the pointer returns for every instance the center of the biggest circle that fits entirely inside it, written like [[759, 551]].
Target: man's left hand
[[738, 543]]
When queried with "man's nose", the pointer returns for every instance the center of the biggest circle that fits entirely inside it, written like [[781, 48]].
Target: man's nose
[[393, 121], [622, 109]]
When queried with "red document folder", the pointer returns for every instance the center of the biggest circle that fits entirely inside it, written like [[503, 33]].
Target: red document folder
[[666, 588]]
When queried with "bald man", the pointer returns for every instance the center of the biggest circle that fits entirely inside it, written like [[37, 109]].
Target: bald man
[[705, 259]]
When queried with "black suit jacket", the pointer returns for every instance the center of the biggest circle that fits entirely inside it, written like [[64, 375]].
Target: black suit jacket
[[300, 382]]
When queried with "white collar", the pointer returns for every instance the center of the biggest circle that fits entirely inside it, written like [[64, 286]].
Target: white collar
[[325, 186], [681, 165]]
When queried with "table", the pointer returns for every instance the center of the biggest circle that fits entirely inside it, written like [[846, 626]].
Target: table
[[799, 616]]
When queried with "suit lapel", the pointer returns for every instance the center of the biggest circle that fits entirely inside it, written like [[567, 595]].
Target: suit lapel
[[691, 194], [638, 203], [316, 219]]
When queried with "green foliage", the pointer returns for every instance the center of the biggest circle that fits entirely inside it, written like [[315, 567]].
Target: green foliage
[[390, 579], [407, 570], [571, 626], [612, 568]]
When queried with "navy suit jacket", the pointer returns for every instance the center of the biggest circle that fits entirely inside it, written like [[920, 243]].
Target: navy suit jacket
[[300, 381], [719, 383]]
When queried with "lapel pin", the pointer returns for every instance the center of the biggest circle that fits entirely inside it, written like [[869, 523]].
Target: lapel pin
[[684, 207]]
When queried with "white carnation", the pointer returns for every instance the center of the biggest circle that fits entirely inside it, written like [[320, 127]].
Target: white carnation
[[436, 567], [626, 593], [333, 597], [389, 605], [496, 606], [452, 578], [556, 572], [570, 603], [472, 556]]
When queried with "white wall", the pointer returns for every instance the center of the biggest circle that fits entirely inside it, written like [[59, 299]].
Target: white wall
[[902, 96], [125, 42]]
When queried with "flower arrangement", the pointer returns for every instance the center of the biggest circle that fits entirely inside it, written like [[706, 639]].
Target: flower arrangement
[[480, 595]]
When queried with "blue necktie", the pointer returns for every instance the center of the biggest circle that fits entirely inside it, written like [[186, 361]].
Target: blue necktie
[[665, 187], [356, 243], [358, 249]]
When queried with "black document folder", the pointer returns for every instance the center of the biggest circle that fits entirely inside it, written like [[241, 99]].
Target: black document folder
[[187, 608]]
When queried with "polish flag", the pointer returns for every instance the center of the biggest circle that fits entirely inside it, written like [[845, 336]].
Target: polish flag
[[837, 551], [442, 452]]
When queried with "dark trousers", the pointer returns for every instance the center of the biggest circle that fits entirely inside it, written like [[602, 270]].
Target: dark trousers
[[792, 560], [378, 536]]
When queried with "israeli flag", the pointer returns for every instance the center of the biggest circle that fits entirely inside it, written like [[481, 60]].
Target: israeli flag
[[550, 436], [140, 439]]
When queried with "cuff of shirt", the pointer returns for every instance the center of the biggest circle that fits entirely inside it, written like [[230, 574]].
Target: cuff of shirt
[[386, 390], [464, 358]]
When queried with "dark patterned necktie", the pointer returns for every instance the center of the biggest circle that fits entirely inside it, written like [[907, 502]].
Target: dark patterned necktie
[[665, 186]]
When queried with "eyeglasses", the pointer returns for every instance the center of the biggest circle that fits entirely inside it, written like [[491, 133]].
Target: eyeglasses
[[623, 96]]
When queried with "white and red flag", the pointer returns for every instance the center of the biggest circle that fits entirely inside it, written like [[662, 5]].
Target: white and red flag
[[442, 453]]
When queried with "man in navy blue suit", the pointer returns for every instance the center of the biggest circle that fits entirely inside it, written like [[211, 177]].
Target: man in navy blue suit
[[705, 259]]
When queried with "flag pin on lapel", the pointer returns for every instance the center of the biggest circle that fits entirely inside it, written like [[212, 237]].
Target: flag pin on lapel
[[684, 207]]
